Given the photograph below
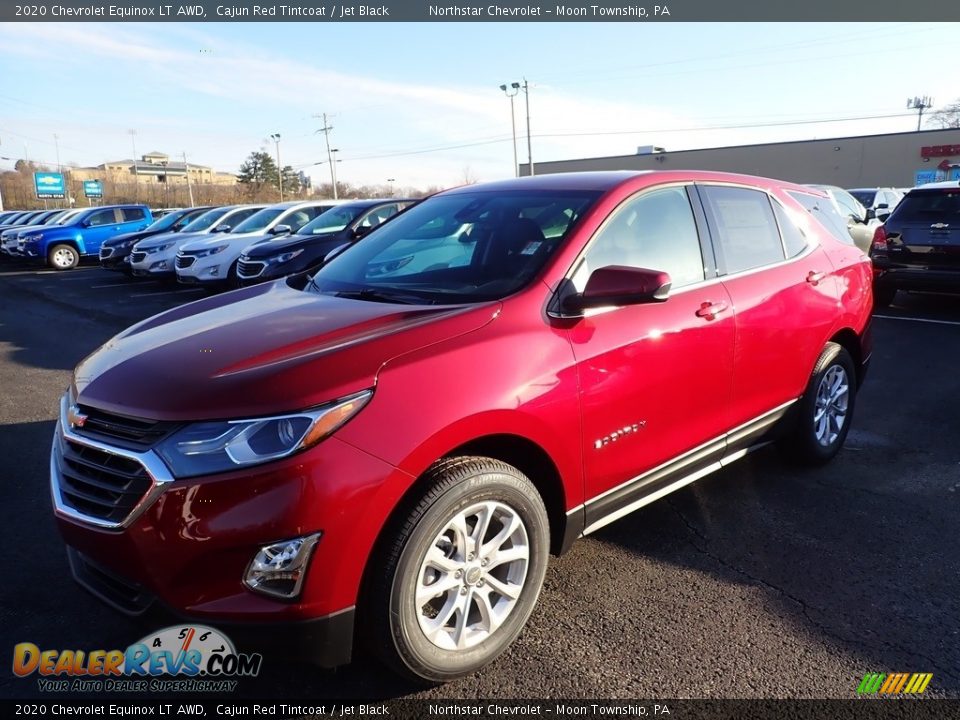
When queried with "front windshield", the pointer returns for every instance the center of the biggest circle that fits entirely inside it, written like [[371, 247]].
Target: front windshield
[[333, 220], [67, 217], [167, 221], [465, 247], [206, 220], [864, 197], [259, 221]]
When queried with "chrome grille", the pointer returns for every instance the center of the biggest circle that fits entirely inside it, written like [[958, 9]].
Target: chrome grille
[[99, 484], [136, 432], [136, 257], [250, 268], [185, 261]]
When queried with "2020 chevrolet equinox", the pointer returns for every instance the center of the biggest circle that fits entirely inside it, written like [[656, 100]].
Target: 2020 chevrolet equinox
[[391, 455]]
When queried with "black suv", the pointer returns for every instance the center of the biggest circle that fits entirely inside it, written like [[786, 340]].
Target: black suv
[[918, 247]]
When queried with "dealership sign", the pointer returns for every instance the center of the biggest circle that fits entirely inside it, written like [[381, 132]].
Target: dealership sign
[[49, 185], [93, 188], [931, 151]]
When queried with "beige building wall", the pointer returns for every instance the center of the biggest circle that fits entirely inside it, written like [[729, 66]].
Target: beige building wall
[[867, 161]]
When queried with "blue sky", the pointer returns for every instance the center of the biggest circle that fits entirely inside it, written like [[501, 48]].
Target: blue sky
[[401, 95]]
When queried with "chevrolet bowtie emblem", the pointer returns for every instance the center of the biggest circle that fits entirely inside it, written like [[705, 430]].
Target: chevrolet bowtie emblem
[[75, 417]]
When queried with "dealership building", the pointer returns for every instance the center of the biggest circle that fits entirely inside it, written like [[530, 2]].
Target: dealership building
[[892, 160]]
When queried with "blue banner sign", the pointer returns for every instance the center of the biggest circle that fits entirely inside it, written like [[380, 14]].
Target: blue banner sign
[[49, 185]]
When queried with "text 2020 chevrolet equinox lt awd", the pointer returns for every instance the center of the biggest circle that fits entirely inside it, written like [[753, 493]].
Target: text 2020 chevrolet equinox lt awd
[[395, 457]]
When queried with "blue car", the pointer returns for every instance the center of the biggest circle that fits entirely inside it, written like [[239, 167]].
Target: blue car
[[62, 246]]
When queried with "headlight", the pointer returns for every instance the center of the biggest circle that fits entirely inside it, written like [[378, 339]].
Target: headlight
[[211, 251], [285, 257], [159, 248], [32, 238], [212, 447]]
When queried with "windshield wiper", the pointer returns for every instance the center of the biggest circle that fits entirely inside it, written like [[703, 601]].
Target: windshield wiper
[[377, 295]]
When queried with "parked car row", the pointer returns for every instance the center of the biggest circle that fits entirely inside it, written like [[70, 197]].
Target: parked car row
[[202, 245]]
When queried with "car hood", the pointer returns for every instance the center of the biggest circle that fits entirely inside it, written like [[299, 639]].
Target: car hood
[[23, 228], [132, 237], [178, 238], [260, 350], [229, 238], [284, 243]]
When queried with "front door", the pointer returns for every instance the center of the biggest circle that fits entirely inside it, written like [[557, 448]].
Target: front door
[[655, 377]]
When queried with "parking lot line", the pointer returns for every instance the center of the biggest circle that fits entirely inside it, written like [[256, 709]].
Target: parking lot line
[[168, 292], [920, 320], [126, 284]]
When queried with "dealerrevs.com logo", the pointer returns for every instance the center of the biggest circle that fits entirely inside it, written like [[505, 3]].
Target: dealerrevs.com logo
[[189, 658]]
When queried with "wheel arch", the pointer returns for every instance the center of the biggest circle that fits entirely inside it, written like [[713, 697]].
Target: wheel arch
[[850, 341]]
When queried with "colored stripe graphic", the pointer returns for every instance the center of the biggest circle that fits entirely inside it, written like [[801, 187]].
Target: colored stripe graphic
[[894, 683]]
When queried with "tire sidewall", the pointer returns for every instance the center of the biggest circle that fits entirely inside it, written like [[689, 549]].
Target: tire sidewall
[[428, 661], [57, 248], [833, 355]]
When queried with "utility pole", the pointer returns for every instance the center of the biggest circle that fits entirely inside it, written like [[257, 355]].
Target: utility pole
[[526, 93], [66, 188], [515, 86], [136, 172], [919, 104], [326, 136], [276, 141], [186, 169]]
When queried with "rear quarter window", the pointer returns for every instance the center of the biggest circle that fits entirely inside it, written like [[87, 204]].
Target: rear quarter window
[[822, 209]]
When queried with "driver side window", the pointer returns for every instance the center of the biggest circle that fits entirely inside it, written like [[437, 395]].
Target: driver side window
[[655, 230]]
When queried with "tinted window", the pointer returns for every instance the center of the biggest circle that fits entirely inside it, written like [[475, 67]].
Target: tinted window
[[745, 228], [259, 220], [929, 206], [133, 214], [332, 220], [206, 220], [794, 240], [866, 197], [300, 217], [462, 247], [848, 203], [239, 216], [655, 230], [826, 214], [101, 217]]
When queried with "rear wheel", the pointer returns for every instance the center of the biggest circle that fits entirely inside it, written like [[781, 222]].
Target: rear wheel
[[461, 572], [883, 296], [63, 257], [825, 411]]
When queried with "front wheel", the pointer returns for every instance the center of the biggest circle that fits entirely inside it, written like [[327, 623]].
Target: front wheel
[[825, 411], [63, 257], [462, 571]]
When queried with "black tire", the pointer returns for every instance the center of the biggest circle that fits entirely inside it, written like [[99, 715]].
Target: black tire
[[63, 257], [883, 296], [391, 616], [802, 443], [233, 280]]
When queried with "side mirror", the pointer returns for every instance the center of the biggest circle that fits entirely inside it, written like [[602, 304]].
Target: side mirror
[[281, 230], [870, 215], [617, 285], [221, 229], [362, 230]]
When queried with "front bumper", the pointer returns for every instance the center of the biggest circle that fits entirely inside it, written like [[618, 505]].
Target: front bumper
[[187, 544], [204, 271], [154, 265], [325, 641]]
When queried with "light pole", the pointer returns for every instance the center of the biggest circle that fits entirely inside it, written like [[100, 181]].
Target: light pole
[[515, 86], [526, 93], [276, 141], [136, 173], [391, 181], [66, 188], [333, 170]]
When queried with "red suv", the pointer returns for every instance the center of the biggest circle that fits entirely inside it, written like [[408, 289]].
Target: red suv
[[391, 448]]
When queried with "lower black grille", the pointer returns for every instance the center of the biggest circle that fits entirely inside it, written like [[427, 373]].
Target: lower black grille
[[136, 257], [106, 252], [250, 269], [125, 595], [185, 261], [99, 484]]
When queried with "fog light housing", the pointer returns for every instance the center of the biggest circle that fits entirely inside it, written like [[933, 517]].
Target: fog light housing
[[160, 265], [278, 569]]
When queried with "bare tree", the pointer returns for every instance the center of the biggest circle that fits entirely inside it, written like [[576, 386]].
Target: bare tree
[[947, 116]]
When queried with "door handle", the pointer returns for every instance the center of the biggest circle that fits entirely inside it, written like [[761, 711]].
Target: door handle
[[709, 310], [814, 277]]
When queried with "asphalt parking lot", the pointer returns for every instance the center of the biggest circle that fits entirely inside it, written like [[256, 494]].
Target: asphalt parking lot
[[759, 581]]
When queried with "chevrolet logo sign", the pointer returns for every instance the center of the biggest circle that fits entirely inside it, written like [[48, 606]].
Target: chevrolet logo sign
[[75, 417]]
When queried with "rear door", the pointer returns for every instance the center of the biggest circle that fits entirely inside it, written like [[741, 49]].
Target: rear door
[[924, 230], [784, 299]]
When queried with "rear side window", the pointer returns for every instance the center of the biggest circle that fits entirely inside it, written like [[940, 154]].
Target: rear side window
[[744, 226], [929, 206], [825, 213], [794, 241], [101, 217], [133, 214]]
